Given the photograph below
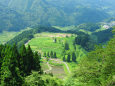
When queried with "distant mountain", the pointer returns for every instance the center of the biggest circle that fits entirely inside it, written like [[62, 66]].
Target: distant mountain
[[61, 12], [10, 19]]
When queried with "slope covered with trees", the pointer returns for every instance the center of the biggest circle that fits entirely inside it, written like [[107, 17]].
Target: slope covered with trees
[[52, 12], [10, 20], [97, 68]]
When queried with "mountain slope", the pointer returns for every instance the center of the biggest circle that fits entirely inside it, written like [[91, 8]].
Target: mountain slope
[[10, 19], [61, 12]]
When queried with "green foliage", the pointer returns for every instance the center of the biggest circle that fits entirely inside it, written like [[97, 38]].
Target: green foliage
[[73, 57], [51, 54], [64, 59], [36, 63], [97, 68], [103, 36], [85, 41], [10, 74], [17, 14], [55, 55], [10, 20], [66, 46], [68, 58], [44, 54], [15, 65], [88, 26], [45, 80]]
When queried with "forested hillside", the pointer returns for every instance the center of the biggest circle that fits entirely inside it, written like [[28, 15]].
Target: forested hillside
[[10, 20], [53, 12], [97, 68]]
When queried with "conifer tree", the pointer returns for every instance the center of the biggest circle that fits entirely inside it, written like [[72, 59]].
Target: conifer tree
[[64, 58], [51, 54], [55, 55], [73, 57], [29, 59], [44, 54], [66, 46], [17, 56], [23, 59], [68, 58], [37, 62], [48, 55], [10, 75]]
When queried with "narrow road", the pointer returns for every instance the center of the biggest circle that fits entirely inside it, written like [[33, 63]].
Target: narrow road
[[67, 67], [50, 68], [27, 42]]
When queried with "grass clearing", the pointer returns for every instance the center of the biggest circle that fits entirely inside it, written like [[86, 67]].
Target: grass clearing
[[44, 42], [6, 36]]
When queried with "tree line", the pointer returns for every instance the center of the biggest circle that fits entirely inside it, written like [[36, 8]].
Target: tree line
[[15, 65]]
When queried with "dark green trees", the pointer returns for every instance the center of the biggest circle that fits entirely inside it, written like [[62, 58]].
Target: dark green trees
[[66, 47], [48, 55], [23, 59], [29, 60], [55, 55], [51, 54], [68, 58], [44, 54], [10, 74], [37, 62], [85, 41], [73, 57], [15, 65], [64, 59], [98, 67]]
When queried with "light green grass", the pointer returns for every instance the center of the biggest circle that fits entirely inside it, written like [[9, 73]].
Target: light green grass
[[5, 36], [46, 44]]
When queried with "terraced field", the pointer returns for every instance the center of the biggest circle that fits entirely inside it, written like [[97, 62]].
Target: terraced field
[[45, 42]]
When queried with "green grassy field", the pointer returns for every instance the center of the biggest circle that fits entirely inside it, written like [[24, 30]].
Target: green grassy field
[[6, 36], [44, 42]]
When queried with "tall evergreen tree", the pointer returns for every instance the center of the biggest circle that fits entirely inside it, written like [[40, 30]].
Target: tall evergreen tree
[[44, 54], [37, 62], [64, 58], [68, 58], [55, 55], [51, 54], [48, 55], [73, 57], [23, 59], [10, 75], [30, 59], [66, 46]]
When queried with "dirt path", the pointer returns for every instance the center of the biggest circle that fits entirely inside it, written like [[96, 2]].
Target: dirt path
[[27, 43], [67, 67], [50, 68]]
